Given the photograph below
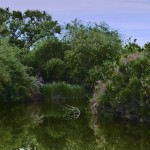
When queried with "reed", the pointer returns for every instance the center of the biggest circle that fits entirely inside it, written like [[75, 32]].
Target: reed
[[61, 90]]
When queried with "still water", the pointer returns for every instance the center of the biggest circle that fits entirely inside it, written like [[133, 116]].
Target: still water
[[47, 126]]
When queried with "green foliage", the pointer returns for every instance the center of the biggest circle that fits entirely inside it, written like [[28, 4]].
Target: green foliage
[[91, 46], [14, 80], [47, 60], [55, 69], [128, 85], [4, 15], [48, 49], [83, 54], [81, 57], [132, 47], [147, 49], [61, 90], [26, 29], [102, 72]]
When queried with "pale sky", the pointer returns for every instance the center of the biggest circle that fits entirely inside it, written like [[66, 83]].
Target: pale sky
[[130, 17]]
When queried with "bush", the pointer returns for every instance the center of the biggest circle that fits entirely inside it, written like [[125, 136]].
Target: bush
[[127, 91], [15, 83], [90, 47], [55, 69], [46, 59]]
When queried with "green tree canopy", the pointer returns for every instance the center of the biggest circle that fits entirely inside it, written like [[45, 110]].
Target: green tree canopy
[[90, 46], [26, 29]]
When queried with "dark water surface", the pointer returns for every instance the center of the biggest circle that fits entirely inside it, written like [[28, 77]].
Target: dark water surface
[[45, 126]]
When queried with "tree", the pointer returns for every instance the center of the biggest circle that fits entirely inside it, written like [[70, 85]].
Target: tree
[[26, 29], [90, 45]]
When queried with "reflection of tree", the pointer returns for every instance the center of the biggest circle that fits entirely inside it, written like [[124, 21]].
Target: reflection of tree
[[58, 133], [43, 127], [16, 127], [120, 135]]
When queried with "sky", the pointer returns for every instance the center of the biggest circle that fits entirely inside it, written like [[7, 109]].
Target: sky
[[130, 17]]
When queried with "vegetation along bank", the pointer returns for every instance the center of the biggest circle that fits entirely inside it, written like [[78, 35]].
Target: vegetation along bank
[[39, 58]]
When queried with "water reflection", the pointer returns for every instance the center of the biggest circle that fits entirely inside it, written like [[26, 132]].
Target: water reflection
[[120, 135], [43, 127]]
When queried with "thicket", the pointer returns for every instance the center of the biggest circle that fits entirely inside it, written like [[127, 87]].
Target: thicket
[[15, 83], [36, 53], [126, 92], [79, 57]]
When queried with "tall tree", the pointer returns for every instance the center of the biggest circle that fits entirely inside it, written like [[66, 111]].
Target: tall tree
[[26, 29]]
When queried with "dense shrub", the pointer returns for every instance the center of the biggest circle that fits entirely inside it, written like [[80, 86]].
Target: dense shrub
[[15, 83], [47, 60], [127, 90]]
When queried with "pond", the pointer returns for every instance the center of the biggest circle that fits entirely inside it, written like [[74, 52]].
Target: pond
[[51, 126]]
